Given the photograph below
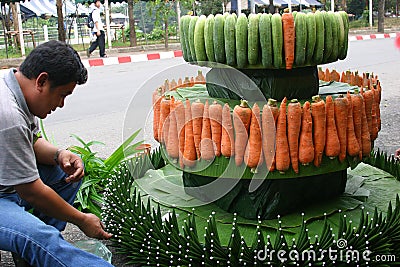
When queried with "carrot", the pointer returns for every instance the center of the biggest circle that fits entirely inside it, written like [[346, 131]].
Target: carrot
[[241, 123], [269, 117], [192, 81], [321, 74], [327, 75], [215, 112], [288, 39], [282, 145], [189, 153], [335, 76], [180, 126], [186, 82], [166, 86], [206, 144], [293, 132], [352, 146], [253, 153], [368, 100], [365, 136], [173, 138], [164, 120], [341, 109], [200, 79], [343, 77], [156, 114], [378, 102], [166, 130], [172, 85], [306, 145], [197, 117], [374, 114], [357, 103], [180, 82], [332, 144], [318, 113], [227, 138]]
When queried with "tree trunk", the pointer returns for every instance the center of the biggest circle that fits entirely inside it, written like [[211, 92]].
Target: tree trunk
[[344, 5], [15, 22], [166, 37], [271, 8], [60, 19], [132, 30], [381, 16]]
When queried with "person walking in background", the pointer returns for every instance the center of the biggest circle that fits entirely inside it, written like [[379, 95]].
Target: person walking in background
[[98, 31], [38, 181]]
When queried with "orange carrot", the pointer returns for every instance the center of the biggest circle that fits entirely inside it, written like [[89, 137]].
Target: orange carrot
[[318, 113], [186, 82], [332, 144], [352, 146], [164, 119], [293, 132], [375, 108], [368, 100], [189, 153], [215, 111], [321, 74], [173, 137], [197, 117], [253, 153], [227, 138], [343, 77], [156, 113], [282, 145], [206, 144], [172, 85], [341, 109], [327, 75], [335, 76], [192, 81], [288, 39], [378, 102], [200, 79], [269, 116], [179, 82], [357, 103], [241, 123], [180, 126], [365, 136], [306, 145]]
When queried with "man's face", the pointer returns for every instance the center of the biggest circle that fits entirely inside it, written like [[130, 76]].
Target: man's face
[[49, 99], [97, 4]]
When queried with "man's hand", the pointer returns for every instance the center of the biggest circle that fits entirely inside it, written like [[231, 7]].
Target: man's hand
[[397, 153], [72, 165], [93, 227], [98, 33]]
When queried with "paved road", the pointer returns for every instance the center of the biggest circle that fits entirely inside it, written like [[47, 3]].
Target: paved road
[[99, 110]]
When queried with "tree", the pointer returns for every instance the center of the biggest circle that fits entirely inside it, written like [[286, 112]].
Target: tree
[[61, 28], [381, 16], [355, 7], [163, 10], [208, 7], [132, 27]]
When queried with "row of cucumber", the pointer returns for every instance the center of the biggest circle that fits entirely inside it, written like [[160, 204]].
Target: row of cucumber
[[258, 41]]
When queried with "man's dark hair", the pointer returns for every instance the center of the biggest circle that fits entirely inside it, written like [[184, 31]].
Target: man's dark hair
[[61, 62]]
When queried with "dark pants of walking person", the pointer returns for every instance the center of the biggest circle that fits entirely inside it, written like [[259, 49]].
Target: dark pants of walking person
[[101, 43]]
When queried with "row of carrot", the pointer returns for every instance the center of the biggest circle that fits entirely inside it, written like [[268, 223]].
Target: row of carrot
[[281, 137], [365, 80]]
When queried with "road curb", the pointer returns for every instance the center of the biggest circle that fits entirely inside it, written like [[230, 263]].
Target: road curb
[[178, 53]]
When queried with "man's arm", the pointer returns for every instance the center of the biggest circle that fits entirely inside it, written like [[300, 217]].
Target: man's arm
[[49, 202]]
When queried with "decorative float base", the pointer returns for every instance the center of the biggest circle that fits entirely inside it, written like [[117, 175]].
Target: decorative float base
[[272, 197]]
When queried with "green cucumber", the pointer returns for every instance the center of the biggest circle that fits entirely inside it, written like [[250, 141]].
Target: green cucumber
[[343, 53], [335, 40], [208, 37], [192, 25], [277, 40], [301, 39], [230, 39], [311, 36], [185, 20], [241, 40], [328, 42], [253, 41], [265, 37], [319, 41], [341, 38], [219, 39], [199, 46]]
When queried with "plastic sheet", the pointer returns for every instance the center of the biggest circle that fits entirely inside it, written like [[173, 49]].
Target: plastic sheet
[[95, 247]]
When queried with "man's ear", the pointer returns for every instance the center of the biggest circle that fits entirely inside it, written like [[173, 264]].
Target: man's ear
[[42, 80]]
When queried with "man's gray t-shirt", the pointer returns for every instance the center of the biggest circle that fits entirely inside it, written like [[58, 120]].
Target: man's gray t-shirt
[[18, 128]]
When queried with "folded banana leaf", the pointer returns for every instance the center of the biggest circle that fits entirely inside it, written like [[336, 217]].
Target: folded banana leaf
[[260, 84]]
